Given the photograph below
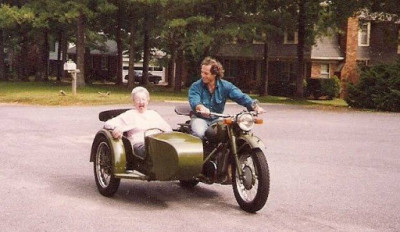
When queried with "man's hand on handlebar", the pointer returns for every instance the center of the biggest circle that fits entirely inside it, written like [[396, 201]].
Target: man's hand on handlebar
[[204, 111], [259, 109]]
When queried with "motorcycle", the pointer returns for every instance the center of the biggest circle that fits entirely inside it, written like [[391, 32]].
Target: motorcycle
[[230, 155]]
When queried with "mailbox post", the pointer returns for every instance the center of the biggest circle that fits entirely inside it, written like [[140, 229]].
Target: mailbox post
[[70, 66]]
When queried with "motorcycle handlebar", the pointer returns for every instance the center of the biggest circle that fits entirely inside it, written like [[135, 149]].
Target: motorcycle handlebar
[[254, 113]]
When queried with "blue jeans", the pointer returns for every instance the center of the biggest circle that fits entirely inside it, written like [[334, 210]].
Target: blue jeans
[[200, 125]]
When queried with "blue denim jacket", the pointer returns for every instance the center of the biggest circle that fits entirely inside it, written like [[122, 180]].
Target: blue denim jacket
[[199, 94]]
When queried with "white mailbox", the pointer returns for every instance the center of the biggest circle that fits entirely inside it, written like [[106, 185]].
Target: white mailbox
[[70, 66]]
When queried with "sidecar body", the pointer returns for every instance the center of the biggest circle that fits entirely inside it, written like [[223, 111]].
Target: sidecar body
[[169, 156]]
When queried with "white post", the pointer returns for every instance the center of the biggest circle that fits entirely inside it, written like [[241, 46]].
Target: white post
[[74, 73], [73, 83], [70, 66]]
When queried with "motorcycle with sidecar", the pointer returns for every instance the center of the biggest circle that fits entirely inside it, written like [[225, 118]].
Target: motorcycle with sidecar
[[230, 154]]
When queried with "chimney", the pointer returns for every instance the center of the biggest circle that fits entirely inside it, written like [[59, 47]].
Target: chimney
[[349, 43]]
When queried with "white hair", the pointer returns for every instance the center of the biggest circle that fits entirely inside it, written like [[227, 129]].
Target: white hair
[[139, 89]]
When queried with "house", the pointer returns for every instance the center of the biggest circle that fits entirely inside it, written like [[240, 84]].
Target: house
[[365, 41], [102, 63]]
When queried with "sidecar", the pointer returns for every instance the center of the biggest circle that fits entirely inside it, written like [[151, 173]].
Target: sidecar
[[168, 156]]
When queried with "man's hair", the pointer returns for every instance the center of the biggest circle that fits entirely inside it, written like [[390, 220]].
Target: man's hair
[[216, 67], [137, 90]]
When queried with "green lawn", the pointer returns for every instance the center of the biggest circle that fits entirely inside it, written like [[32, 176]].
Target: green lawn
[[48, 93]]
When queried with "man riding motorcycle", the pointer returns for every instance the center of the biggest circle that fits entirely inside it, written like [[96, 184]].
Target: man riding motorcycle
[[209, 94]]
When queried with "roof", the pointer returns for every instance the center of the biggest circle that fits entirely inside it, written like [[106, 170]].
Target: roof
[[256, 51], [110, 48], [327, 48]]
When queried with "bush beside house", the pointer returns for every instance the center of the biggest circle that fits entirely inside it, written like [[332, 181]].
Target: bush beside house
[[318, 87], [378, 88]]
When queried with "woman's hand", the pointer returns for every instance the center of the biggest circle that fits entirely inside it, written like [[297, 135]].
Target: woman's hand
[[116, 134]]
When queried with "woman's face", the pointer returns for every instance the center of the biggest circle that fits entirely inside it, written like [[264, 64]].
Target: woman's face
[[140, 101], [206, 75]]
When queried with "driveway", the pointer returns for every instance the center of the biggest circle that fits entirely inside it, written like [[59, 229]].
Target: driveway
[[330, 171]]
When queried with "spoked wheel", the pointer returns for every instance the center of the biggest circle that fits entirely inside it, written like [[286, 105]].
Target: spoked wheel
[[251, 191], [106, 183]]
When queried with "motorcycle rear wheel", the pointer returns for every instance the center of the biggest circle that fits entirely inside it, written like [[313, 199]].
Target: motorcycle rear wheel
[[106, 183], [252, 191]]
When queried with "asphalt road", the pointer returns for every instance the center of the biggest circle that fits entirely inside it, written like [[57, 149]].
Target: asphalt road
[[330, 171]]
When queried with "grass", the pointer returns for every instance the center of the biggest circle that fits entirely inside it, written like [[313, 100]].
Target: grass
[[48, 93]]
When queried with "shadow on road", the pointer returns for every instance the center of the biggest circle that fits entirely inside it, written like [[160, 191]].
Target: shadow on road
[[146, 195]]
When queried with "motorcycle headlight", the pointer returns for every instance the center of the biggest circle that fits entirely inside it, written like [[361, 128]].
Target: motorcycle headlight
[[245, 121]]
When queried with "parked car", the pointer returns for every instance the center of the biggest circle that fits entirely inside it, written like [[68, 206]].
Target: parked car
[[138, 77]]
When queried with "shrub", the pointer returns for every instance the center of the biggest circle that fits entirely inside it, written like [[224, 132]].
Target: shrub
[[331, 87], [318, 87], [378, 88]]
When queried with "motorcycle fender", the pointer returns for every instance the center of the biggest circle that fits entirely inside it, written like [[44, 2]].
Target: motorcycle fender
[[254, 142], [118, 154]]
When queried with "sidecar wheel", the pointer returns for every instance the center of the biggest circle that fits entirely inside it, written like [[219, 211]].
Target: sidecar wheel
[[106, 183], [252, 191], [188, 183]]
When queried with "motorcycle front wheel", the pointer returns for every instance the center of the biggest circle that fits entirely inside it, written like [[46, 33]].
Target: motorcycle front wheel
[[106, 183], [251, 191]]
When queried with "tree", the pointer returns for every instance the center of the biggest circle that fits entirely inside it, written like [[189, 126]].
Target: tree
[[134, 16], [15, 22], [85, 13], [390, 8]]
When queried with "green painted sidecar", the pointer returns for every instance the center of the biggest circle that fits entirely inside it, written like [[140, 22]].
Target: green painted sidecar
[[169, 156]]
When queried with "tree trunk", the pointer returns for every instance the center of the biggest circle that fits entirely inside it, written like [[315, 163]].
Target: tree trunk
[[179, 71], [264, 74], [23, 57], [64, 46], [146, 51], [38, 44], [80, 50], [45, 55], [2, 56], [119, 46], [131, 72], [171, 68], [89, 75], [300, 49], [59, 52]]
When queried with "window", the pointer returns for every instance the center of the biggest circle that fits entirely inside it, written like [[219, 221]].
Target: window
[[290, 38], [364, 34], [324, 71]]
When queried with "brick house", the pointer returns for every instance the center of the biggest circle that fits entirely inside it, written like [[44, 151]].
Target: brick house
[[364, 41]]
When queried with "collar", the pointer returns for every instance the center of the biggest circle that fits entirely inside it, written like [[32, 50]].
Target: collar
[[217, 84]]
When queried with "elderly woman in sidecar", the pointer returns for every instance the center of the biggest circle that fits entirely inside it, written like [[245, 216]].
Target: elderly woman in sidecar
[[139, 144], [136, 122]]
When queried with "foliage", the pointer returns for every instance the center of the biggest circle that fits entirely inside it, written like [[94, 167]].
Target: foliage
[[378, 88], [329, 87]]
